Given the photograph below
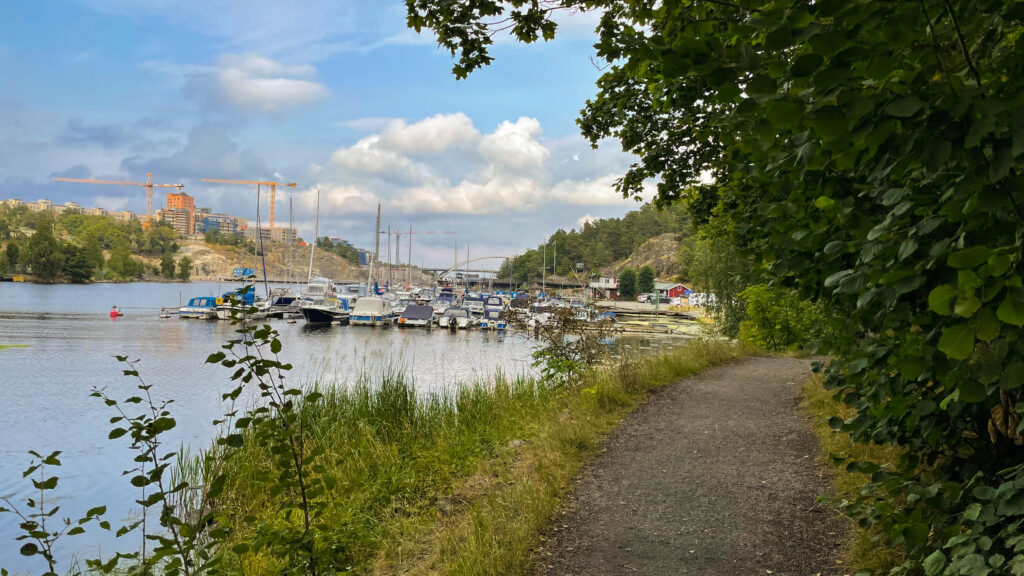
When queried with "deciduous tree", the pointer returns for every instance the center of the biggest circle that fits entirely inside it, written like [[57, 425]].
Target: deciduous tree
[[627, 284], [185, 268], [869, 155]]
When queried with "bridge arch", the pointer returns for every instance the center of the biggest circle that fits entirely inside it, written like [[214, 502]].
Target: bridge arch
[[465, 262]]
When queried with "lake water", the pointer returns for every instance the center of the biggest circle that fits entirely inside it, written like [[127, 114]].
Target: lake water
[[69, 347]]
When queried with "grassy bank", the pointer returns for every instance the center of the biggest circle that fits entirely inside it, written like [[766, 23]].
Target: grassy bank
[[864, 553], [458, 483]]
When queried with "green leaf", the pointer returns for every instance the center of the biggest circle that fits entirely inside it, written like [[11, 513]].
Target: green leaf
[[29, 549], [904, 107], [907, 248], [987, 325], [215, 357], [824, 203], [1011, 311], [940, 300], [957, 341], [117, 433], [97, 511], [275, 346], [806, 64], [984, 492], [970, 257], [831, 123], [933, 563], [966, 306]]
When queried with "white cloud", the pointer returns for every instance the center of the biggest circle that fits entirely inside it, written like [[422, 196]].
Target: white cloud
[[514, 145], [369, 124], [258, 83], [430, 135], [599, 191], [584, 220], [494, 196], [442, 165], [371, 156]]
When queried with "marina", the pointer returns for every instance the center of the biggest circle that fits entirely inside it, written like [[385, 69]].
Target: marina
[[60, 341]]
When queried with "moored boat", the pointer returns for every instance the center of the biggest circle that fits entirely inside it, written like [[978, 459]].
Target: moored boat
[[319, 305], [371, 311], [417, 315], [455, 318], [493, 319], [200, 307]]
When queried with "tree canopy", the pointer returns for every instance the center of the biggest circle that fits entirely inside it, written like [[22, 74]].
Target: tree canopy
[[867, 155], [596, 244]]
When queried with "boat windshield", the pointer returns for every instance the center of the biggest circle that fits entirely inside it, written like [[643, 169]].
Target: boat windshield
[[493, 314], [494, 301], [457, 313]]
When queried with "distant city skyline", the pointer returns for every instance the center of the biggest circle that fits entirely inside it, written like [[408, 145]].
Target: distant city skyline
[[339, 96]]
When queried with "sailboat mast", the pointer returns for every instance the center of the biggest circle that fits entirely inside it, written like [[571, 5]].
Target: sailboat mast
[[408, 268], [316, 232], [376, 244], [263, 255], [291, 226]]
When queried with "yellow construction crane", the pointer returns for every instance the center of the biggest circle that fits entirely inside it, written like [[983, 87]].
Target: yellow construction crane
[[273, 190], [148, 185]]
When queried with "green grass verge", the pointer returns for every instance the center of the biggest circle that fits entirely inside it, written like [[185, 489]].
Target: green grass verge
[[865, 553], [457, 483]]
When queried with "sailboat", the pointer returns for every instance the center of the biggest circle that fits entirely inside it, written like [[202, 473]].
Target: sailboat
[[318, 303]]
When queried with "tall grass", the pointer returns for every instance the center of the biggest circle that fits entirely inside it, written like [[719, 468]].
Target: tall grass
[[458, 482], [864, 552]]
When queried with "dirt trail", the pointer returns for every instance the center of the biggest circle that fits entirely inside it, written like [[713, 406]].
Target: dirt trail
[[714, 475]]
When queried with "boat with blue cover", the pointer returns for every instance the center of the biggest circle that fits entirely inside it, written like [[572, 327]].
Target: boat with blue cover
[[200, 307]]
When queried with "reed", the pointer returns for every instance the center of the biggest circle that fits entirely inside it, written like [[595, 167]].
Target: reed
[[461, 481]]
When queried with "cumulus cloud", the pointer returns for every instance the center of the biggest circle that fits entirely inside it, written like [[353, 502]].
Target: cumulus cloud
[[372, 156], [430, 135], [444, 165], [514, 145], [256, 83]]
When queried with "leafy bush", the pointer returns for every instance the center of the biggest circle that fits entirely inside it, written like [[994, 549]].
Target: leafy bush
[[778, 319], [871, 155]]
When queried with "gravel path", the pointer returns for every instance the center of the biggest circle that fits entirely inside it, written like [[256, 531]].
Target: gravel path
[[714, 475]]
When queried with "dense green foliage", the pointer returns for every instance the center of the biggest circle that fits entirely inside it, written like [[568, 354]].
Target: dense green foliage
[[213, 236], [715, 265], [67, 245], [645, 280], [868, 155], [597, 244], [627, 284], [167, 266], [185, 269], [341, 248], [778, 319]]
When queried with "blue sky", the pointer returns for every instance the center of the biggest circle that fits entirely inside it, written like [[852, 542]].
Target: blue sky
[[336, 95]]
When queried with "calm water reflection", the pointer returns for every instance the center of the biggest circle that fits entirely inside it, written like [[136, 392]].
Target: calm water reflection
[[70, 347]]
